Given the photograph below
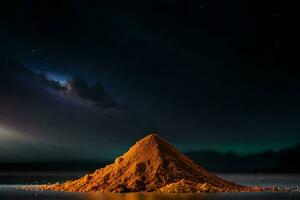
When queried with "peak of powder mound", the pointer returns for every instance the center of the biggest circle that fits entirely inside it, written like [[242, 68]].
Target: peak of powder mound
[[151, 164]]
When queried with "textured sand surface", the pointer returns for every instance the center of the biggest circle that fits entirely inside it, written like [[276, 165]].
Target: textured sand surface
[[151, 165]]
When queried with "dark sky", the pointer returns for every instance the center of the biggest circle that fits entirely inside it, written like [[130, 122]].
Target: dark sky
[[213, 74]]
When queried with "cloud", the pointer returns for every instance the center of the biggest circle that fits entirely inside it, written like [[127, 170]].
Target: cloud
[[92, 95], [95, 93]]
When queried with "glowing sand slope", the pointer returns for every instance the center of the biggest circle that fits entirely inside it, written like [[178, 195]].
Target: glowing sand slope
[[151, 165]]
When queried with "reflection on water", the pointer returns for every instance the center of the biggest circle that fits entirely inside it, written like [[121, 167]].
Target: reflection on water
[[12, 192], [44, 195], [227, 196], [143, 196]]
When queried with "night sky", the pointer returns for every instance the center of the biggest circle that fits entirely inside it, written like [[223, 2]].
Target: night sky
[[85, 79]]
